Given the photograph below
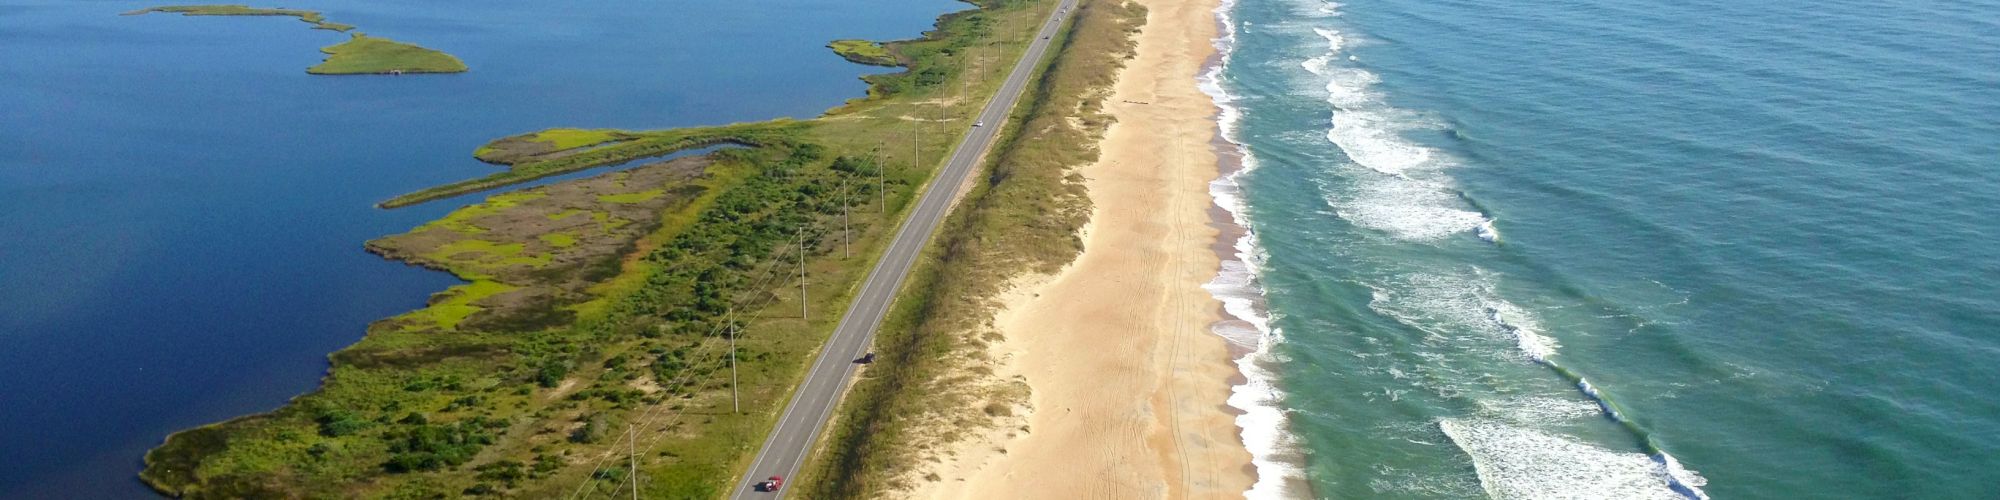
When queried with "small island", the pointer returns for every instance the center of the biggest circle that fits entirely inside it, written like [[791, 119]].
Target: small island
[[359, 55]]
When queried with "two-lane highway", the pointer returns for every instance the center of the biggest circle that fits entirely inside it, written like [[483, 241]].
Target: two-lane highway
[[791, 441]]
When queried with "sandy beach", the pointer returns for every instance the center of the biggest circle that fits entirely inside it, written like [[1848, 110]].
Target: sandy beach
[[1128, 381]]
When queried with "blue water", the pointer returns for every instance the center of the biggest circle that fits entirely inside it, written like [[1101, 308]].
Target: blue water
[[1625, 248], [183, 207]]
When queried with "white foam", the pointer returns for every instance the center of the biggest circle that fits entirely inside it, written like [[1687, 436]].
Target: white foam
[[1407, 198], [1521, 462], [1263, 422], [1526, 330]]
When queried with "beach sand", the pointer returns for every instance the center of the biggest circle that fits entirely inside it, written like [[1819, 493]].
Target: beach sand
[[1128, 381]]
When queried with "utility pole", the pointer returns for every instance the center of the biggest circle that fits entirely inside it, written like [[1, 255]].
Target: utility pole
[[882, 186], [802, 274], [845, 240], [632, 450], [733, 401]]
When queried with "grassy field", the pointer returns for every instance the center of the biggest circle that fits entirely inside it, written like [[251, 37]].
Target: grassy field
[[361, 54], [934, 384], [595, 310], [864, 52]]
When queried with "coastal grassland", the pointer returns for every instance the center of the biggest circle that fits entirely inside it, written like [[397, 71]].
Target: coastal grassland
[[934, 382], [594, 309], [864, 52], [361, 54]]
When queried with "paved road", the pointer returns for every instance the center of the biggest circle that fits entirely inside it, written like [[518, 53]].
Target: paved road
[[791, 441]]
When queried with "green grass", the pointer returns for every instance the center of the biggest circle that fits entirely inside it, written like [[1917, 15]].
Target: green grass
[[363, 54], [447, 314], [632, 197], [559, 240], [864, 52], [515, 389]]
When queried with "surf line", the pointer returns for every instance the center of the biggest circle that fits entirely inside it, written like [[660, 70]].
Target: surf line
[[1678, 478]]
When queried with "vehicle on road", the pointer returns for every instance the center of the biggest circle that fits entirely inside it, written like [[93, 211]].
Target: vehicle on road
[[772, 484], [866, 358]]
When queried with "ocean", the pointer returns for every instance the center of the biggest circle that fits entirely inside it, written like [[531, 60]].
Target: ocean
[[1616, 248], [183, 207]]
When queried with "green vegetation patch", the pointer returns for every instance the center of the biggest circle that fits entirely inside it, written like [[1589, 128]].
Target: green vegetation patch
[[545, 144], [365, 54], [631, 197], [864, 52], [360, 54]]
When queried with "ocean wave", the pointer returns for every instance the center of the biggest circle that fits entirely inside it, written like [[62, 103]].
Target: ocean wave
[[1274, 452], [1516, 461], [1463, 312], [1407, 197]]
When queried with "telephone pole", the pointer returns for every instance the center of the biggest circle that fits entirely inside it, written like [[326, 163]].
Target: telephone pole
[[802, 274], [632, 450], [845, 240], [733, 401], [881, 185]]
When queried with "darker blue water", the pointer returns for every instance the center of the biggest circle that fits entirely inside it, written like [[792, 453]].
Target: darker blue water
[[183, 207], [1764, 233]]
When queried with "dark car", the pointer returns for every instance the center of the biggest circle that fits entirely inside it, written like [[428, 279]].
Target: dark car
[[772, 484]]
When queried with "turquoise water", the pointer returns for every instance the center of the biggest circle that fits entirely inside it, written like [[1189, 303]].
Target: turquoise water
[[183, 207], [1623, 249]]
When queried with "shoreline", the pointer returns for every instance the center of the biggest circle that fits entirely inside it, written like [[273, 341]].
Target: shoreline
[[1129, 328]]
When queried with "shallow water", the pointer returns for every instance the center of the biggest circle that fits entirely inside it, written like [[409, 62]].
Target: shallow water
[[1628, 249], [184, 206]]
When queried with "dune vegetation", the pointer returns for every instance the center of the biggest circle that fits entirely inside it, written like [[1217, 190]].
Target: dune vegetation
[[596, 312], [361, 54]]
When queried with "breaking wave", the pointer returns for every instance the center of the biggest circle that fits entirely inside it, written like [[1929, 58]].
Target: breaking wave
[[1274, 452]]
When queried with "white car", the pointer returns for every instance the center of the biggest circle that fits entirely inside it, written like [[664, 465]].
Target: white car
[[980, 123]]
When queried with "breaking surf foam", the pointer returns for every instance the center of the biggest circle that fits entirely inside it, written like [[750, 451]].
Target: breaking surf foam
[[1406, 196], [1525, 463], [1273, 451]]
